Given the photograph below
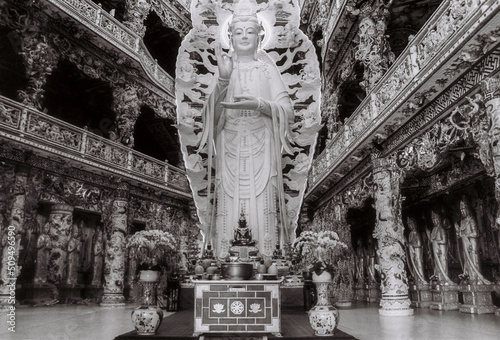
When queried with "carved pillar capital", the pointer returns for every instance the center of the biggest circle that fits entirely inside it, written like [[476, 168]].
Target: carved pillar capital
[[136, 12]]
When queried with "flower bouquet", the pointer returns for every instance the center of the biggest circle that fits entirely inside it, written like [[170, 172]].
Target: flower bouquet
[[154, 249], [319, 251]]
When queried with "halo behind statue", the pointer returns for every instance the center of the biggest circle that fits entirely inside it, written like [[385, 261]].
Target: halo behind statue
[[196, 72]]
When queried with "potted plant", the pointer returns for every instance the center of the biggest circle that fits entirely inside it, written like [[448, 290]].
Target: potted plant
[[320, 253], [154, 250]]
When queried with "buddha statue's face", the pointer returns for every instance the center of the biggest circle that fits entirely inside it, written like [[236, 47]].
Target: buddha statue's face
[[245, 37]]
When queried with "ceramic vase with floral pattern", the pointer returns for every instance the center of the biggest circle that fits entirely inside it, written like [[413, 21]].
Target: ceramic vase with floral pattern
[[148, 317], [323, 317]]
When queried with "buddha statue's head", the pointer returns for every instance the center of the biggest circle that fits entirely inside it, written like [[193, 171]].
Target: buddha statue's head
[[245, 29], [242, 222], [436, 218]]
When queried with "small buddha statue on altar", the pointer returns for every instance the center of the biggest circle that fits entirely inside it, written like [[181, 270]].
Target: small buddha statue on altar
[[243, 234]]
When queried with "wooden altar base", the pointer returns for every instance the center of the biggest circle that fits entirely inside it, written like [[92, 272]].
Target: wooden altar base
[[294, 325]]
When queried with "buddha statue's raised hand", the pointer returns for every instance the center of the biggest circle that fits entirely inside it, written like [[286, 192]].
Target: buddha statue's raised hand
[[224, 62]]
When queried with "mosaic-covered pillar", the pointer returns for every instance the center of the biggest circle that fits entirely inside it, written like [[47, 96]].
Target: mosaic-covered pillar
[[330, 111], [114, 263], [389, 234], [40, 59], [343, 282], [61, 222], [136, 12], [11, 240], [127, 107], [373, 49], [491, 92]]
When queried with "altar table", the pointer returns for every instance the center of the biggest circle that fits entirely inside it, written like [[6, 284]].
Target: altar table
[[237, 306]]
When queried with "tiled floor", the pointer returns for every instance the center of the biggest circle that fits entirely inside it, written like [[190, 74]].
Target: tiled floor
[[362, 321]]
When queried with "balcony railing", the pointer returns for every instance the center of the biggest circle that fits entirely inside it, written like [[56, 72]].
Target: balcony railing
[[101, 22], [417, 62], [26, 125], [185, 3]]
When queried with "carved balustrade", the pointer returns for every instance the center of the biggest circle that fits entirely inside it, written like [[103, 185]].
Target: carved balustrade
[[112, 31], [443, 35], [24, 124]]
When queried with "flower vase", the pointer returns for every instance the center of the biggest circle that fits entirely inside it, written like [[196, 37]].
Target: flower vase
[[148, 317], [323, 317]]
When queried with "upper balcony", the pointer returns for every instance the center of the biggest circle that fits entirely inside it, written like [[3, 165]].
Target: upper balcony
[[443, 50], [52, 137], [113, 33]]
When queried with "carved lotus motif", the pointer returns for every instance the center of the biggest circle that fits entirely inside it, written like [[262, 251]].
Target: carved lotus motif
[[255, 308], [218, 308]]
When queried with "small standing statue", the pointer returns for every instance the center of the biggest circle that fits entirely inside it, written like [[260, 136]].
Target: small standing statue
[[243, 234], [467, 231], [74, 249], [98, 257], [360, 264], [371, 259], [44, 245], [416, 251], [439, 239]]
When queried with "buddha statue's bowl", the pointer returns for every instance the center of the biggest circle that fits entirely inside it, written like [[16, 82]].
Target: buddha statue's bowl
[[237, 271]]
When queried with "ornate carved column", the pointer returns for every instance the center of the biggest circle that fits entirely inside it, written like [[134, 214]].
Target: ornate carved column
[[491, 92], [114, 263], [126, 105], [39, 60], [136, 12], [330, 111], [11, 240], [344, 286], [373, 49], [389, 234], [60, 220]]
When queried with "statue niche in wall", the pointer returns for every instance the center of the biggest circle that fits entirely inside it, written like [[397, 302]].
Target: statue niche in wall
[[247, 126]]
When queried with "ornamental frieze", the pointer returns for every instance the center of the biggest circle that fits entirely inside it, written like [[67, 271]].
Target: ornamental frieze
[[467, 124], [447, 99], [356, 194], [416, 188]]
